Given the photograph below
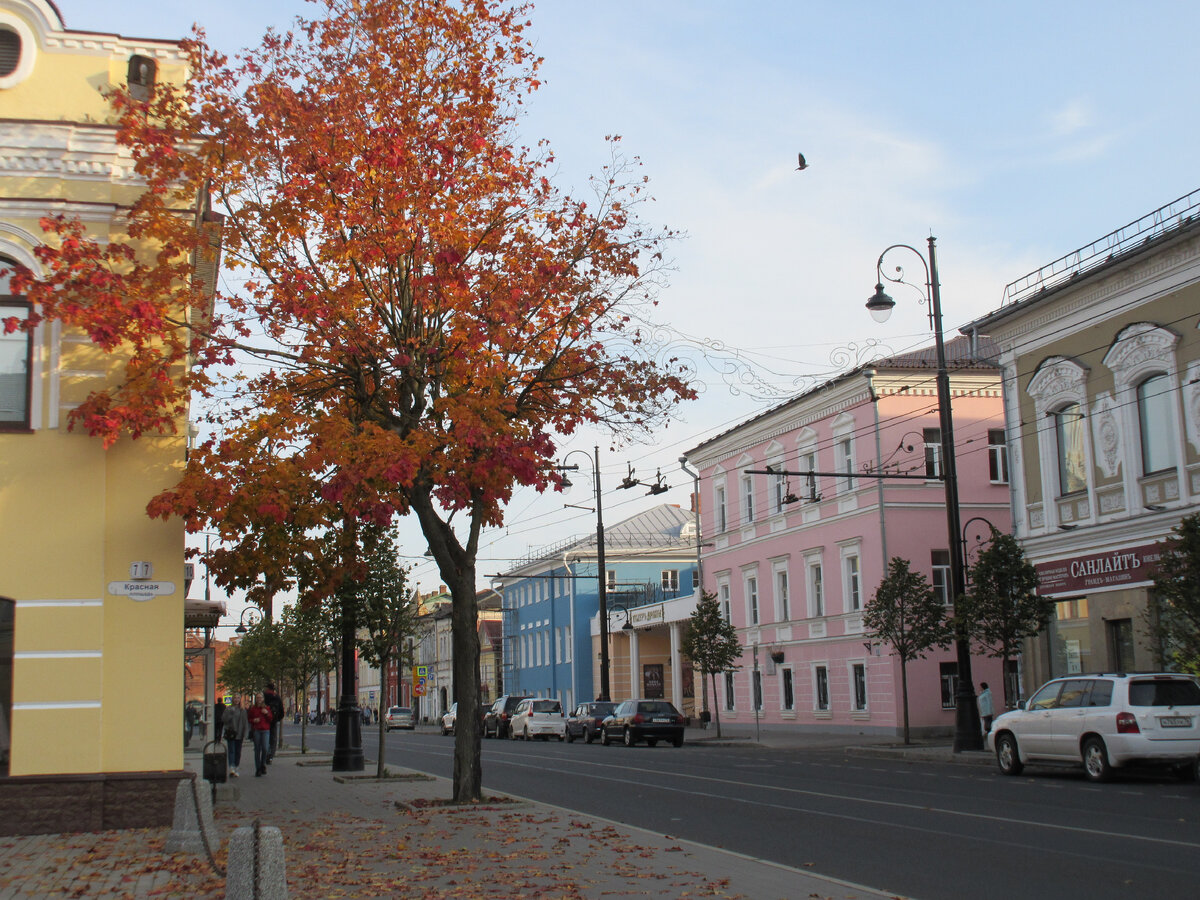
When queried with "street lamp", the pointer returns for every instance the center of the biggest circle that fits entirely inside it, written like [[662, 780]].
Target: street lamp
[[253, 614], [966, 724], [601, 574]]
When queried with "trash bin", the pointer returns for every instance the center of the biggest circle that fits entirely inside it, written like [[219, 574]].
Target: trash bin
[[215, 761]]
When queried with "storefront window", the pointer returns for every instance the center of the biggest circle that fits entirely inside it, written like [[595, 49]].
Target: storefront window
[[1071, 638]]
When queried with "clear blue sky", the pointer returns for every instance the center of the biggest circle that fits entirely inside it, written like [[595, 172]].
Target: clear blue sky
[[1013, 132]]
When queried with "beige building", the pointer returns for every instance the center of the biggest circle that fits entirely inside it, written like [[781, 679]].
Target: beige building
[[1101, 360], [91, 589]]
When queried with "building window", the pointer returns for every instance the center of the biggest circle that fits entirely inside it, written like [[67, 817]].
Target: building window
[[781, 595], [789, 694], [821, 688], [1072, 468], [933, 452], [722, 521], [816, 591], [949, 674], [997, 456], [10, 52], [858, 675], [670, 581], [940, 562], [752, 599], [729, 704], [1120, 641], [747, 498], [808, 465], [853, 587], [726, 606], [610, 579], [16, 351], [1156, 422], [845, 464], [756, 681], [778, 491]]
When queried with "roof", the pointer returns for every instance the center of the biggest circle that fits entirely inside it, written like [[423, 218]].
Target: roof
[[963, 354]]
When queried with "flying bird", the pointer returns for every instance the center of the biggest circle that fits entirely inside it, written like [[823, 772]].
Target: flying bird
[[803, 165]]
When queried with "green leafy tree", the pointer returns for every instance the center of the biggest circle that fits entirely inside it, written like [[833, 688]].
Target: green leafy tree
[[1176, 623], [906, 615], [1001, 608], [257, 659], [387, 609], [305, 654], [711, 643]]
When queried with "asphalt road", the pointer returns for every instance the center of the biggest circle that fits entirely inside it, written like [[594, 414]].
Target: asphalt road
[[927, 830]]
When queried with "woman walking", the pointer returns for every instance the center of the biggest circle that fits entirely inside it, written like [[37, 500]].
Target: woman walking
[[237, 729], [259, 716]]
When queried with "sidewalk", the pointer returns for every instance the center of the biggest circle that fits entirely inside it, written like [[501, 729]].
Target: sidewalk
[[357, 837]]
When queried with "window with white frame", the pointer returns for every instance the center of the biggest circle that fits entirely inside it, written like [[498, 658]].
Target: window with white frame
[[858, 680], [752, 599], [1069, 442], [788, 695], [670, 581], [997, 456], [948, 672], [778, 489], [939, 560], [808, 463], [729, 694], [610, 579], [851, 582], [719, 508], [723, 594], [1156, 424], [820, 688], [16, 355], [567, 636], [933, 452], [816, 588], [845, 461], [782, 604], [756, 686], [747, 499]]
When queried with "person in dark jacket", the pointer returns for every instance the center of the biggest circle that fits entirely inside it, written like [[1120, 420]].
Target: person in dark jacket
[[259, 716], [237, 729], [276, 706]]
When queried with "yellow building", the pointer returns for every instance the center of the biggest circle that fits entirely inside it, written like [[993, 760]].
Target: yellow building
[[91, 590]]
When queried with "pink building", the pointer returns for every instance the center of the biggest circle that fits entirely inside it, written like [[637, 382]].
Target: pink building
[[793, 559]]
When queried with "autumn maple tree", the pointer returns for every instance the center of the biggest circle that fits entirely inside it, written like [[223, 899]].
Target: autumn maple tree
[[418, 312]]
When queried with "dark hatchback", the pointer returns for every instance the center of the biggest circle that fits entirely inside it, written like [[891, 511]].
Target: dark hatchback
[[643, 720], [585, 721], [496, 720]]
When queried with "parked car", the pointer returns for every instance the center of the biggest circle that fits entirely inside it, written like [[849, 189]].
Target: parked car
[[496, 719], [1104, 722], [538, 717], [399, 717], [643, 720], [585, 721], [448, 719]]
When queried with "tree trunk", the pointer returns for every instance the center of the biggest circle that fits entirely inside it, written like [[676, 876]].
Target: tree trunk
[[379, 766], [904, 693], [716, 704], [468, 769]]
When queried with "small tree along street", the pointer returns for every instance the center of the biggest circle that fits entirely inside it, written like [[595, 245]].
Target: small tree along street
[[1001, 607], [1177, 590], [424, 313], [908, 616], [711, 643]]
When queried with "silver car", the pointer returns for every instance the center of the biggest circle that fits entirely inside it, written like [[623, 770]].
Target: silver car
[[399, 717], [1104, 722]]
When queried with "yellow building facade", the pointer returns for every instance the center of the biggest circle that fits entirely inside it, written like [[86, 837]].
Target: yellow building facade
[[91, 589]]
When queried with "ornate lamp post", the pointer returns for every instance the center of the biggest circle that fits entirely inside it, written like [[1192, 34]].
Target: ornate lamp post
[[967, 735], [601, 574]]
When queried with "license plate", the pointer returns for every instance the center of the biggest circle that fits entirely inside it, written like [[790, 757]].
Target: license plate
[[664, 721], [1175, 721]]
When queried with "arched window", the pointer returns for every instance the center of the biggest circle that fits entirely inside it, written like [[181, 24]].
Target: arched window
[[1156, 424], [1072, 457]]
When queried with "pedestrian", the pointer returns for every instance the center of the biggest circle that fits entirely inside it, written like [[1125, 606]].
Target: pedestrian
[[218, 718], [276, 706], [237, 729], [259, 716], [986, 708]]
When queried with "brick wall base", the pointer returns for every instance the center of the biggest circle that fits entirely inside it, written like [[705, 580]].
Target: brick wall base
[[107, 801]]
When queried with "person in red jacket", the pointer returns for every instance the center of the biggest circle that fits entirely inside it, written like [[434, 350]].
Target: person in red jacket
[[260, 731]]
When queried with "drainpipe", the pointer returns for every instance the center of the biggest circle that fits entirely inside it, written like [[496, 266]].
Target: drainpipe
[[870, 376], [699, 586]]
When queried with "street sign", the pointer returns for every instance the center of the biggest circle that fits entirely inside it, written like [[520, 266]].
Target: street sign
[[141, 590]]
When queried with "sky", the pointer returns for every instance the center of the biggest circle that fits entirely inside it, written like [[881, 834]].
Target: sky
[[1014, 133]]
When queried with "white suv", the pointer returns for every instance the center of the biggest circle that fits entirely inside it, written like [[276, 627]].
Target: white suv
[[538, 717], [1103, 721]]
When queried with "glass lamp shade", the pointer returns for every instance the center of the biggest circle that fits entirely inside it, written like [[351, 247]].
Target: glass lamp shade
[[880, 305]]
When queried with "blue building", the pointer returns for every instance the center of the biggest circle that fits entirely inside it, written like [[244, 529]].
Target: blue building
[[552, 602]]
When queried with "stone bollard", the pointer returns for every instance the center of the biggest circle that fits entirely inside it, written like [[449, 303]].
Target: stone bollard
[[255, 868], [191, 798]]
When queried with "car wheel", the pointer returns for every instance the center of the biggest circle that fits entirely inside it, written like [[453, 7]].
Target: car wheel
[[570, 736], [589, 736], [603, 737], [652, 742], [1095, 760], [628, 737], [1007, 756], [678, 742], [560, 737], [1196, 770]]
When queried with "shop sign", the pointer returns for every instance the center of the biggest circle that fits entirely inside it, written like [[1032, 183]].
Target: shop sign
[[1125, 567], [647, 615], [141, 590]]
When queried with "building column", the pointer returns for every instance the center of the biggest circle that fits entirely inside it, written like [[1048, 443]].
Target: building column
[[676, 667], [635, 666]]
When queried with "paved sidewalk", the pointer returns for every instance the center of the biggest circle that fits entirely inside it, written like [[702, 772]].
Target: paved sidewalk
[[357, 837]]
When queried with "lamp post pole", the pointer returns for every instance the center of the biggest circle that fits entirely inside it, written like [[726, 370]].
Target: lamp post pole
[[967, 735], [601, 574]]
